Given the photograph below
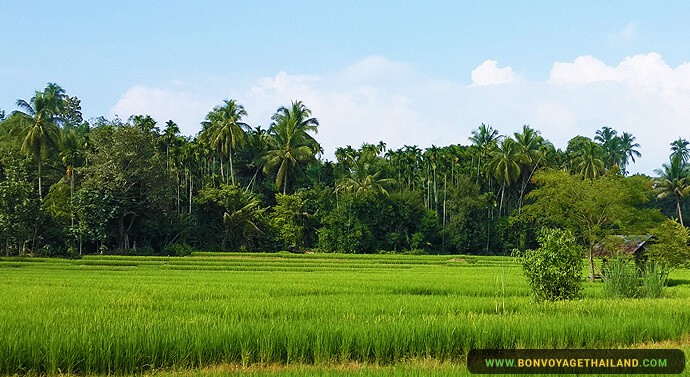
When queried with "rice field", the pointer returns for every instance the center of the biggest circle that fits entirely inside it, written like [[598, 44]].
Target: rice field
[[217, 314]]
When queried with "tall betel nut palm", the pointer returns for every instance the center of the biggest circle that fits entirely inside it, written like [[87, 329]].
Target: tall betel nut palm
[[35, 125], [290, 143]]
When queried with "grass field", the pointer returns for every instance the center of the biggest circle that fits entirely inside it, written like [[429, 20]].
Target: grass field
[[215, 314]]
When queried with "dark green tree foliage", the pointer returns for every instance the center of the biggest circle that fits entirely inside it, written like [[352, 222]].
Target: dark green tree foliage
[[127, 172], [371, 222], [229, 219], [554, 270], [469, 229], [287, 221], [19, 207], [137, 186]]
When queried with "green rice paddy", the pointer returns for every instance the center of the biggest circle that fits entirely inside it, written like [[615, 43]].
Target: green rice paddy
[[215, 314]]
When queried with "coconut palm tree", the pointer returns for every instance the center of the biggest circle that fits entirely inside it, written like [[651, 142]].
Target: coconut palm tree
[[224, 131], [35, 125], [673, 181], [628, 145], [532, 148], [504, 164], [290, 143], [484, 138], [608, 137], [589, 162], [364, 175], [679, 149]]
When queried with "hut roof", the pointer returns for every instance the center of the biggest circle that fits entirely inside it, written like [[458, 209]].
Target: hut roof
[[628, 245]]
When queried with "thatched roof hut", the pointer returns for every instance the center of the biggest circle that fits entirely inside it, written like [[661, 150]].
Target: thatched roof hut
[[634, 246]]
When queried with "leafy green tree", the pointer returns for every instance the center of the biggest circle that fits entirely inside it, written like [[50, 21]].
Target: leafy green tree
[[590, 209], [19, 207], [290, 144], [554, 270], [469, 226], [127, 166], [287, 220], [670, 249], [224, 131]]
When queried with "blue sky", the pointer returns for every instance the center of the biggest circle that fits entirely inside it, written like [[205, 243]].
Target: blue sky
[[407, 72]]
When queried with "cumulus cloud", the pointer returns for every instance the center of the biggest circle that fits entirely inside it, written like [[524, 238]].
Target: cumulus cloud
[[377, 99], [648, 71], [488, 73], [186, 109]]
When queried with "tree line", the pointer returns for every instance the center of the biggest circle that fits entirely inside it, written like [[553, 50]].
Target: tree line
[[70, 186]]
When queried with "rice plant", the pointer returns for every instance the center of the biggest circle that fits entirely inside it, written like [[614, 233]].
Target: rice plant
[[123, 315]]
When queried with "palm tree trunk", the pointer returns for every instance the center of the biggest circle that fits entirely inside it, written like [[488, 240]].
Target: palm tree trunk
[[285, 183], [232, 172], [222, 175], [680, 213], [591, 263], [40, 195]]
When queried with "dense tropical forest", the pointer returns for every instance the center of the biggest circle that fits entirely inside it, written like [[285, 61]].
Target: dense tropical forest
[[70, 186]]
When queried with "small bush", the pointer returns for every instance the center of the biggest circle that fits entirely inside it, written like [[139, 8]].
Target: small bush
[[620, 278], [554, 270], [178, 250], [653, 281]]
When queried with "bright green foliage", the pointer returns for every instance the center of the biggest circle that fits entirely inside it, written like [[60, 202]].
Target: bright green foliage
[[287, 219], [554, 270], [669, 249], [590, 209]]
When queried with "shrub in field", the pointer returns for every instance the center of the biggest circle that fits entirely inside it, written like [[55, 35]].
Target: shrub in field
[[620, 277], [653, 281], [670, 248], [554, 270], [178, 250]]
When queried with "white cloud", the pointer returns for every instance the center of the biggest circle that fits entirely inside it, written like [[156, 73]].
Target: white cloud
[[488, 73], [376, 99], [186, 109], [648, 71], [626, 34]]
